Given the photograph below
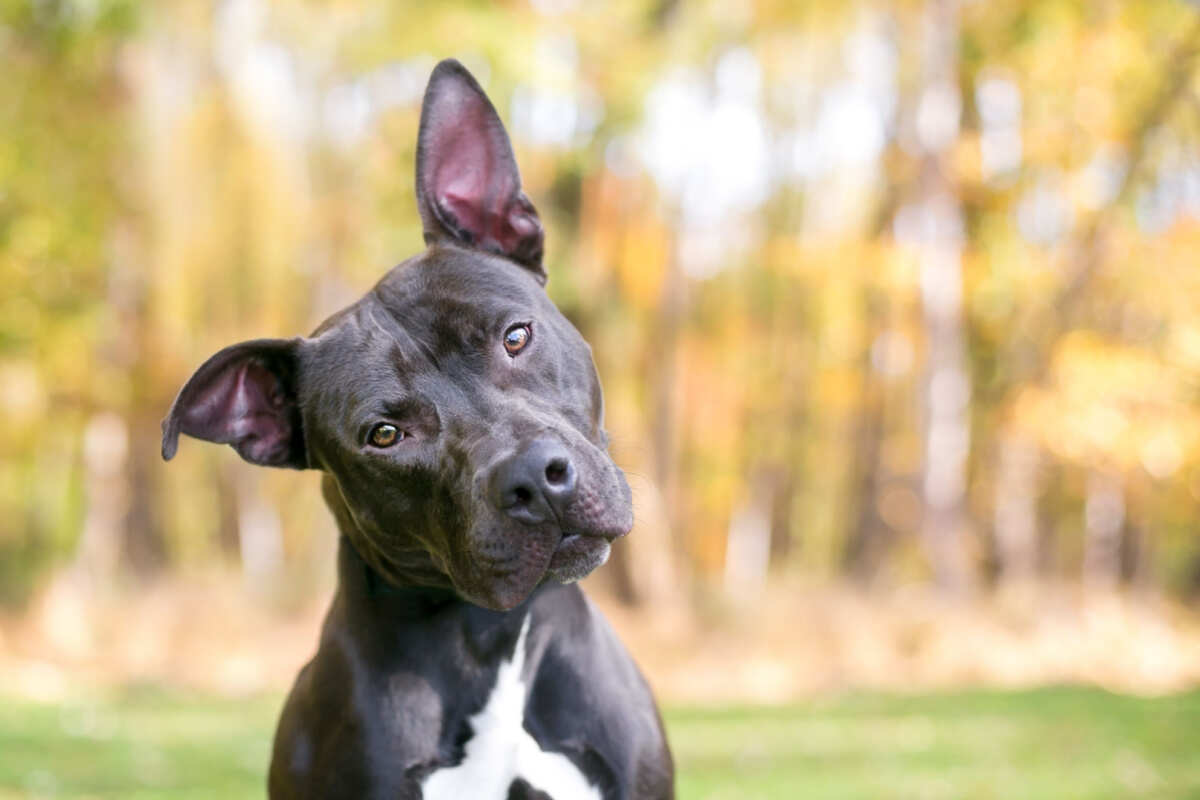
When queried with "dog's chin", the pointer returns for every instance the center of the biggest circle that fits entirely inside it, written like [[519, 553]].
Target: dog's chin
[[503, 592], [572, 558], [576, 556]]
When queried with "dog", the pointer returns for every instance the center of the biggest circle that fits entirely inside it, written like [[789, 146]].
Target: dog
[[458, 420]]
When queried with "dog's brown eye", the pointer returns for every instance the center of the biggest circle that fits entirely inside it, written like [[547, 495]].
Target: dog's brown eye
[[516, 338], [385, 435]]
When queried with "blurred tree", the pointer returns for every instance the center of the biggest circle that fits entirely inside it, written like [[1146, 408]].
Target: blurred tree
[[62, 108], [947, 389], [861, 279]]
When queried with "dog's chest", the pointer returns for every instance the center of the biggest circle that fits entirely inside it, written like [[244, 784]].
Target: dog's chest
[[500, 750]]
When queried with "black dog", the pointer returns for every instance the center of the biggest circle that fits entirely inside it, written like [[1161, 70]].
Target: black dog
[[458, 419]]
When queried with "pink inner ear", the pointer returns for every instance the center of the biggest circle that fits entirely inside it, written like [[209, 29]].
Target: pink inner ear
[[242, 407], [468, 175], [475, 190]]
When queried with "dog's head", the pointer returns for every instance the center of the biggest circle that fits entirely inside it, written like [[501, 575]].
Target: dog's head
[[456, 413]]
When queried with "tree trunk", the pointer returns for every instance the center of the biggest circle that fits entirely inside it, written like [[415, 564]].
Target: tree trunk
[[748, 543], [1015, 509], [662, 367], [947, 390], [106, 494], [783, 494], [143, 548], [1137, 556], [1104, 519], [867, 539], [227, 511]]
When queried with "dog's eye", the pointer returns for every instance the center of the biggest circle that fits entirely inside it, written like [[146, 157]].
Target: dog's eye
[[385, 435], [516, 337]]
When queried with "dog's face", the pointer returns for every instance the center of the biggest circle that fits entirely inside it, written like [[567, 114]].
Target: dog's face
[[456, 413]]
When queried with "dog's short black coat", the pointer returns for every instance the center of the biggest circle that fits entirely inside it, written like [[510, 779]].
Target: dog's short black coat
[[458, 420]]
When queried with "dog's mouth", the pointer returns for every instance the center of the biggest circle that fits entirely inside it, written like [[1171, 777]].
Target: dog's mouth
[[576, 555], [504, 581], [508, 559]]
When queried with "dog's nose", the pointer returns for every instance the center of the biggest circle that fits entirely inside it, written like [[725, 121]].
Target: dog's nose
[[535, 484]]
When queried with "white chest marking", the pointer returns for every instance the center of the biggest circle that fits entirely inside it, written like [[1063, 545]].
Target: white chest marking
[[501, 750]]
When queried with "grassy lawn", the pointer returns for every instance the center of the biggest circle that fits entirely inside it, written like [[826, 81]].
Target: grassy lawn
[[1052, 743]]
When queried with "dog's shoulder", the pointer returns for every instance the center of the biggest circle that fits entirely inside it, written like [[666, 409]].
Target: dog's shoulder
[[589, 700]]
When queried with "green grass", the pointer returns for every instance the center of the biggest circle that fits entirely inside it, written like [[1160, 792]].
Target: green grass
[[1056, 744], [1051, 743]]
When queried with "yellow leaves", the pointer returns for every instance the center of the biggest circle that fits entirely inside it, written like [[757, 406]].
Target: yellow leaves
[[838, 388], [22, 396], [1183, 346], [1175, 291], [1094, 111], [642, 262], [1087, 365], [966, 159], [29, 238], [713, 398], [849, 263], [1114, 405]]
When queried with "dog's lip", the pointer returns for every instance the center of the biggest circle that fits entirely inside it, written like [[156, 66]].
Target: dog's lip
[[576, 540], [578, 554], [569, 541], [576, 543], [605, 535]]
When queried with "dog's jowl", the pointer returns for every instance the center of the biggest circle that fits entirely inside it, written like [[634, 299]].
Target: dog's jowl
[[458, 421]]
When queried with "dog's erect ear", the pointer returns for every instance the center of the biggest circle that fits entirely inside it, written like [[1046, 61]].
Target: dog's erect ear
[[244, 396], [468, 186]]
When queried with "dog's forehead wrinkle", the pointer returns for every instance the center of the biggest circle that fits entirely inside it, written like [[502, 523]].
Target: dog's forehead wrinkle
[[396, 339]]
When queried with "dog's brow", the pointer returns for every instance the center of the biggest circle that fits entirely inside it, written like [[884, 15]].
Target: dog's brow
[[393, 329]]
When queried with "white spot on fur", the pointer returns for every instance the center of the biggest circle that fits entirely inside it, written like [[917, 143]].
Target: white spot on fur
[[501, 750]]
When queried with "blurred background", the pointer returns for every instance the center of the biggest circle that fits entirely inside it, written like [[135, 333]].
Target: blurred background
[[895, 305]]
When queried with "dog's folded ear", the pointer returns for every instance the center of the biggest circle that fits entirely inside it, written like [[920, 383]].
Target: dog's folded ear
[[468, 186], [244, 396]]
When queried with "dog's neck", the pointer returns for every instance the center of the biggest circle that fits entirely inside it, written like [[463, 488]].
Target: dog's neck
[[382, 624], [363, 587], [416, 571]]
